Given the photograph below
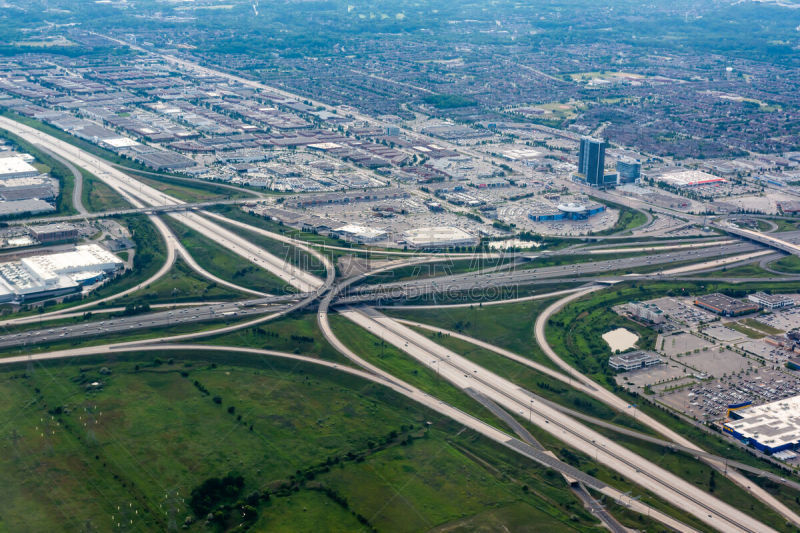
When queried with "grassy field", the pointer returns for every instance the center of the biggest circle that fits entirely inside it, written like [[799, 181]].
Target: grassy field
[[225, 264], [183, 191], [97, 196], [766, 328], [789, 264], [287, 252], [296, 333], [507, 325], [751, 270], [628, 219], [785, 225], [181, 284], [316, 451], [750, 332]]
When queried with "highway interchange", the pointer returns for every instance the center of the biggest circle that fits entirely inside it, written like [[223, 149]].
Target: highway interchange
[[331, 295]]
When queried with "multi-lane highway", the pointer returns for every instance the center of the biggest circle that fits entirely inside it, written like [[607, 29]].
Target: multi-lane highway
[[132, 323], [472, 281], [465, 373]]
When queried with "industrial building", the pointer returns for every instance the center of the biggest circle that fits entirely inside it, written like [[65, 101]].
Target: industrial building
[[50, 275], [725, 305], [770, 428], [646, 311], [21, 207], [15, 166], [438, 237], [45, 233], [771, 301], [40, 187], [632, 360], [689, 178]]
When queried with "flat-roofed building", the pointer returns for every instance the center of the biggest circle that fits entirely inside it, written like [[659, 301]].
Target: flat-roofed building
[[647, 311], [689, 178], [15, 166], [632, 360], [439, 237], [771, 301], [771, 427], [361, 234], [725, 305], [22, 207], [50, 275], [54, 232]]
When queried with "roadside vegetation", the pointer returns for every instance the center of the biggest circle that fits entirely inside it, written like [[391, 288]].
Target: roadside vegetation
[[224, 263], [181, 284], [98, 197]]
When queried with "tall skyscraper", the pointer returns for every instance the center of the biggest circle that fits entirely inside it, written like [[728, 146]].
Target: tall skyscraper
[[592, 161]]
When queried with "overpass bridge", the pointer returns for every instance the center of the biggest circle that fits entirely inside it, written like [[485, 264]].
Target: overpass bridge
[[150, 210], [761, 238]]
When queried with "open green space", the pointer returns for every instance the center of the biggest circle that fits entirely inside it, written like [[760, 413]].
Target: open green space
[[182, 191], [789, 264], [629, 218], [751, 270], [750, 332], [181, 284], [785, 224], [507, 325], [766, 328], [296, 333], [307, 449], [97, 196], [224, 263], [287, 252]]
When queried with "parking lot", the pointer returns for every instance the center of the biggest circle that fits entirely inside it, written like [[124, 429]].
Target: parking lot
[[710, 400], [683, 312]]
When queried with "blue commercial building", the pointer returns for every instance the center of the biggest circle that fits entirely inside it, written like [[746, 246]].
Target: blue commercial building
[[570, 211], [770, 428], [629, 170]]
